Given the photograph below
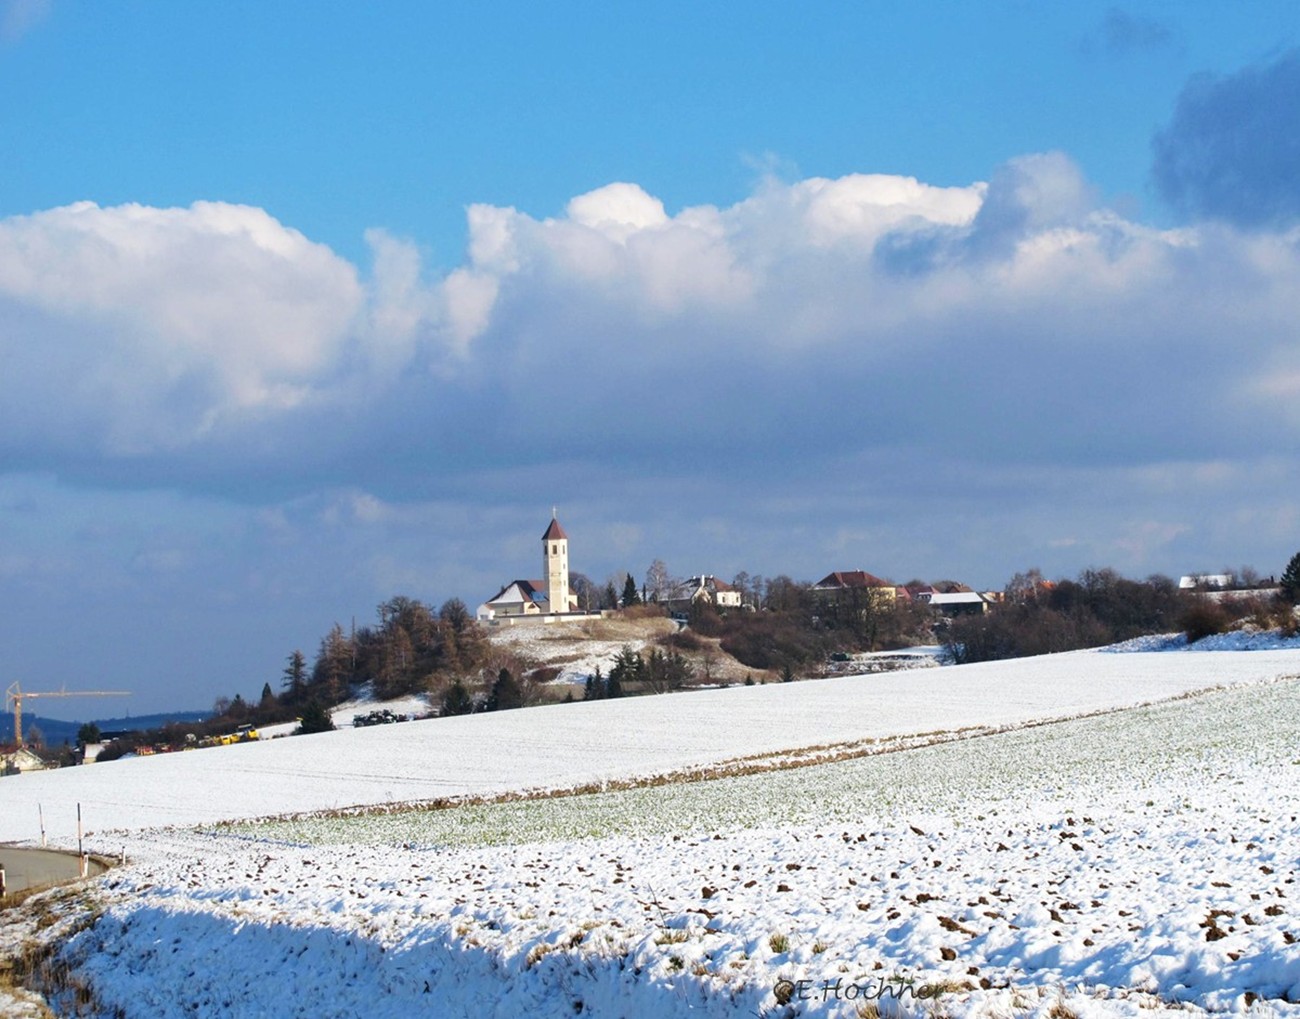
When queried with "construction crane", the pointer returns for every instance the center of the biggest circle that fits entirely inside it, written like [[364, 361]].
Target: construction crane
[[17, 696]]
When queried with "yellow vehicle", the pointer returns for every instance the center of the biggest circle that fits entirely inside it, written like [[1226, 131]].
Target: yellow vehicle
[[244, 734]]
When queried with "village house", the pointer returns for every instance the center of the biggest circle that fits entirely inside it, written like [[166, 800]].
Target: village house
[[703, 589], [848, 581], [1206, 581], [24, 759], [954, 603]]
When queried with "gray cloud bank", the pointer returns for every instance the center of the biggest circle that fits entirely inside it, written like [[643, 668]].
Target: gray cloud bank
[[1008, 323], [1232, 149], [215, 427]]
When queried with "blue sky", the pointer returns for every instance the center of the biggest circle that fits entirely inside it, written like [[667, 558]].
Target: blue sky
[[304, 306]]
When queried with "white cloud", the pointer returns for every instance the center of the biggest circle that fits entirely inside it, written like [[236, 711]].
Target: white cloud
[[803, 330], [617, 210], [152, 327]]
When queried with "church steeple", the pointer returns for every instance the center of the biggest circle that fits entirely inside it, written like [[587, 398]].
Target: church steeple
[[555, 565]]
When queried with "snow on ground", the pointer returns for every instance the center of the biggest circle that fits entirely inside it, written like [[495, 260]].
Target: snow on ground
[[926, 656], [343, 715], [577, 649], [574, 744], [1136, 863], [1249, 638]]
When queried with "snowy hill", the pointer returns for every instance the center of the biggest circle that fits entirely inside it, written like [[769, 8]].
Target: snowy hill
[[1135, 863], [590, 743]]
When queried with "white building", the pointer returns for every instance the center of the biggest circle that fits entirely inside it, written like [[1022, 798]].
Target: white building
[[706, 588], [1212, 581], [547, 597]]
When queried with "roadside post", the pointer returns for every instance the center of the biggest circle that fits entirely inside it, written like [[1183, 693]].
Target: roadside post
[[81, 853]]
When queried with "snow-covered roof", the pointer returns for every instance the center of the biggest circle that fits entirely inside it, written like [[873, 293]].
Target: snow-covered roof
[[957, 598], [520, 591]]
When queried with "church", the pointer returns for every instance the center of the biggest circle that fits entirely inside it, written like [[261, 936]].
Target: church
[[537, 598]]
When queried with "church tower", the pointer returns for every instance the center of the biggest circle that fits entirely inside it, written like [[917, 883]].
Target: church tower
[[555, 566]]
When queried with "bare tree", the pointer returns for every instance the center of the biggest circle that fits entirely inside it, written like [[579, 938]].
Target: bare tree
[[658, 583], [1025, 585], [587, 593]]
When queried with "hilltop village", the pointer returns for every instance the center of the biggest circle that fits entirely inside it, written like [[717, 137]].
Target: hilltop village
[[562, 638]]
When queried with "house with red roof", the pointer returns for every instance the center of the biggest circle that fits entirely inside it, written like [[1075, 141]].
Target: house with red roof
[[845, 581]]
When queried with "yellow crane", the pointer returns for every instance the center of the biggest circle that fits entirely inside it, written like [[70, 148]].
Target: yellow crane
[[16, 695]]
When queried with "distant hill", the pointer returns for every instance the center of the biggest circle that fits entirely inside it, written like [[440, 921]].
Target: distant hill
[[58, 732]]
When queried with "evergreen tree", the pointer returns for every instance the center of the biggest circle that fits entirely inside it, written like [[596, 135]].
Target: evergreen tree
[[664, 671], [457, 701], [314, 719], [631, 596], [268, 698], [628, 668], [1291, 580], [594, 689], [506, 693], [88, 733]]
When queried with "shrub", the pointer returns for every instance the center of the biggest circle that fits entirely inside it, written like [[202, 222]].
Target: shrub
[[457, 700], [682, 640], [1204, 617], [315, 719]]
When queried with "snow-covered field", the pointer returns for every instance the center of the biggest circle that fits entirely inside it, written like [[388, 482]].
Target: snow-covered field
[[585, 743], [1126, 863]]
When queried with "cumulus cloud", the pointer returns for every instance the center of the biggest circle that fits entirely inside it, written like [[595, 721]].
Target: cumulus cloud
[[1232, 150], [806, 331], [798, 290], [863, 372], [135, 328]]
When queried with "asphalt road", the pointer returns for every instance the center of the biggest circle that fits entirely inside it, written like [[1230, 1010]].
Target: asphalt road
[[27, 868]]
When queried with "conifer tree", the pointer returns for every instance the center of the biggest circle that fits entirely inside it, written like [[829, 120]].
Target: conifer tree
[[1291, 580], [315, 719], [457, 701], [506, 693], [631, 596]]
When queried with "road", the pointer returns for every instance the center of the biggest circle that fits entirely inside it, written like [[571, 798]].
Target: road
[[27, 868]]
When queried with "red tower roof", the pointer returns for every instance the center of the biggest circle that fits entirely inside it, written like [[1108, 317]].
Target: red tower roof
[[555, 532]]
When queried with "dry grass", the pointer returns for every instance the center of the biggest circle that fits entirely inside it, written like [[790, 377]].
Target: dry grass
[[34, 971]]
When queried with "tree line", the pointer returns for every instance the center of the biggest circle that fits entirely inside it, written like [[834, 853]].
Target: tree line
[[786, 627], [1102, 607]]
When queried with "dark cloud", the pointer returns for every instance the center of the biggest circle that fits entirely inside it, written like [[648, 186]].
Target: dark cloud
[[1232, 149]]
